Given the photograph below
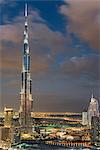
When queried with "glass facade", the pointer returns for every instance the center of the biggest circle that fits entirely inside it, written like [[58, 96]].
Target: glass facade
[[26, 62]]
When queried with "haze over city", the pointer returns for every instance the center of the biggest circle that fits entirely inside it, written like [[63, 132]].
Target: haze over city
[[65, 53]]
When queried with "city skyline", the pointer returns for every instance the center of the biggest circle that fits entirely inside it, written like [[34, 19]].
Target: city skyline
[[64, 61]]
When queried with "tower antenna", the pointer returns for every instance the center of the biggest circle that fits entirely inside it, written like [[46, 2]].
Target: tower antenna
[[26, 12]]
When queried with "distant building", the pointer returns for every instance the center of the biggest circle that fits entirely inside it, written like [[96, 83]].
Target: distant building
[[86, 136], [93, 109], [5, 134], [84, 118], [95, 128], [8, 117], [16, 136]]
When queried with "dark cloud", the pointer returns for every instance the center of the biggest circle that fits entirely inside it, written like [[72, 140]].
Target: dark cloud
[[44, 43], [85, 65], [84, 20], [2, 1]]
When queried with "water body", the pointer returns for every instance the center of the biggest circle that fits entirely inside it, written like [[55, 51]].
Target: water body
[[25, 146]]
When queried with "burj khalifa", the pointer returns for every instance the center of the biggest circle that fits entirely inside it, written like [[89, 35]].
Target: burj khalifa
[[26, 100]]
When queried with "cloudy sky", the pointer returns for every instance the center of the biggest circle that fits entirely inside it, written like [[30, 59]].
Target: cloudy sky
[[64, 37]]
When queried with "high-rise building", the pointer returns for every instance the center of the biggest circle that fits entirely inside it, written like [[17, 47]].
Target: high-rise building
[[5, 134], [26, 102], [95, 128], [84, 118], [8, 117], [15, 135], [93, 109]]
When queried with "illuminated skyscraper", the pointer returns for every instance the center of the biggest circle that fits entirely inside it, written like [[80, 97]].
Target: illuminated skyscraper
[[8, 117], [84, 118], [93, 109], [5, 134], [26, 102], [95, 126]]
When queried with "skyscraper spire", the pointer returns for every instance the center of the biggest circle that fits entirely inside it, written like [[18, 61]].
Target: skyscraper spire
[[26, 85], [26, 13], [92, 95]]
